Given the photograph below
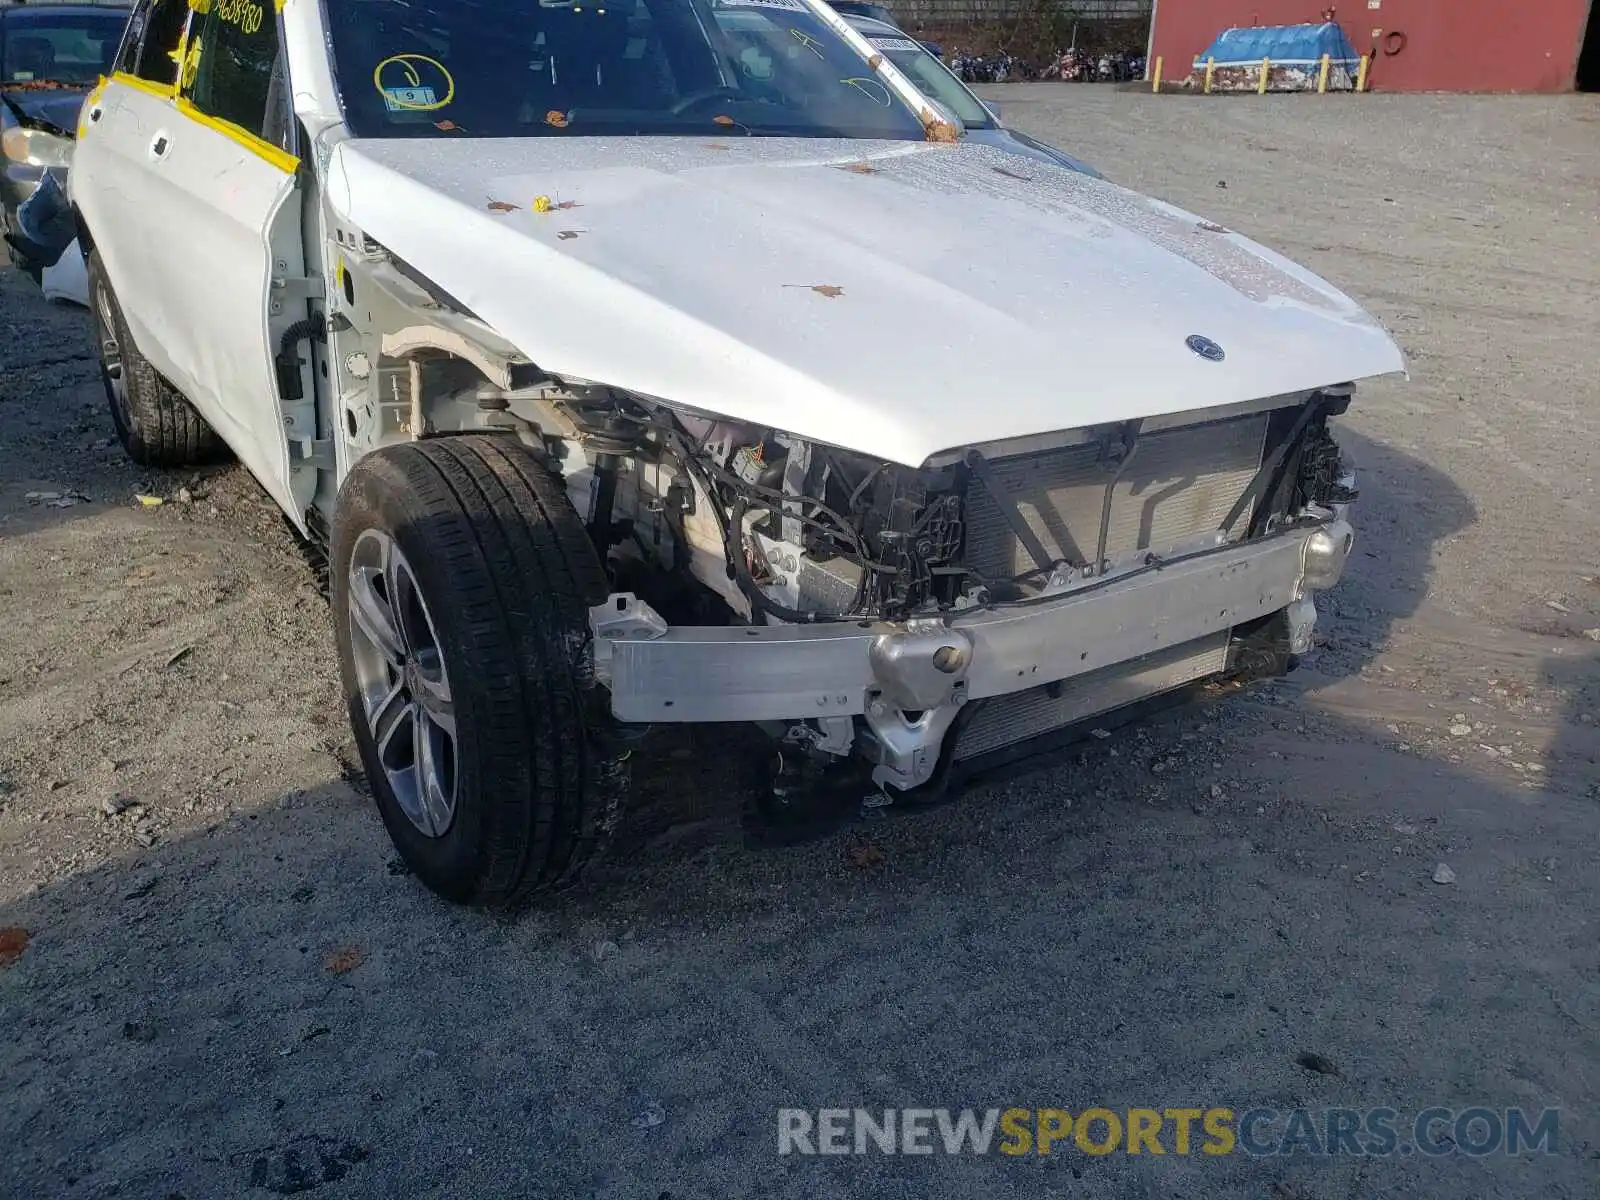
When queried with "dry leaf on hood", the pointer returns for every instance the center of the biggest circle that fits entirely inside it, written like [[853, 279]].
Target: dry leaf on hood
[[1012, 174], [829, 290], [555, 119], [501, 206], [566, 235], [724, 119], [936, 130], [862, 168]]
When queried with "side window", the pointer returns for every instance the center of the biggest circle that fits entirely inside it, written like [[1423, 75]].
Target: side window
[[240, 76], [150, 49]]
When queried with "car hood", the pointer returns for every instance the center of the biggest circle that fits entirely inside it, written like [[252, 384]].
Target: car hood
[[894, 298], [55, 109]]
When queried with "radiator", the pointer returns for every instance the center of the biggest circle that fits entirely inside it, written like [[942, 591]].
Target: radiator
[[1180, 482], [1006, 720]]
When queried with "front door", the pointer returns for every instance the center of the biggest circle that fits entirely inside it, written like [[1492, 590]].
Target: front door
[[194, 193]]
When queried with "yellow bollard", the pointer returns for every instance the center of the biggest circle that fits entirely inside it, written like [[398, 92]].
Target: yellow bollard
[[1361, 75], [1155, 81], [1211, 65], [1261, 88], [1322, 79]]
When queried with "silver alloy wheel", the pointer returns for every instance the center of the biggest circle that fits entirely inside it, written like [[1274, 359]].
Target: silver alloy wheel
[[405, 692], [111, 353]]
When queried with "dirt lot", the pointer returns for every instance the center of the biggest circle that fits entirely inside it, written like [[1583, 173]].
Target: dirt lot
[[229, 988]]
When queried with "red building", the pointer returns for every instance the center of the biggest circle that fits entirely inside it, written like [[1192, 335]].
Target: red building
[[1417, 45]]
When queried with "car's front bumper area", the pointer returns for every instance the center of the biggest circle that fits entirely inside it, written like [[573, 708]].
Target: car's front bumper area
[[903, 675], [18, 181]]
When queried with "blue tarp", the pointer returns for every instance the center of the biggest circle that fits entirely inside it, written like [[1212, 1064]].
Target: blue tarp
[[1283, 45]]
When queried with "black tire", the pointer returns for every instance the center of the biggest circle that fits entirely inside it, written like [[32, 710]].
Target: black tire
[[507, 574], [157, 426]]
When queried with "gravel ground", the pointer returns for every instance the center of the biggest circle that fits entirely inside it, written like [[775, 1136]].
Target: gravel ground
[[230, 988]]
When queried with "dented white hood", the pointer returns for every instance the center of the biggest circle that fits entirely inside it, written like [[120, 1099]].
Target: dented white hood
[[894, 298]]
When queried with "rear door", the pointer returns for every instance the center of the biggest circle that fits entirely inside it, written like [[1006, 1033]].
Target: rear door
[[114, 183], [201, 205]]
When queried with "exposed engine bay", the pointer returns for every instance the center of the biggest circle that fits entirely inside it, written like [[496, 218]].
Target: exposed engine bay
[[789, 532]]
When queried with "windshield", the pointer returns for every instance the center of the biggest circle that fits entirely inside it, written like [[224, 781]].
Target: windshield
[[930, 75], [54, 47], [522, 68]]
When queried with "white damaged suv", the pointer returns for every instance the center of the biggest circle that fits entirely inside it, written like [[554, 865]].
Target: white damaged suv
[[658, 361]]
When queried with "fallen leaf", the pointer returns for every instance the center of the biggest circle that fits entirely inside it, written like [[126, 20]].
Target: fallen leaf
[[723, 119], [1013, 175], [936, 130], [566, 204], [830, 290], [875, 61], [865, 855], [712, 146], [862, 168], [1211, 227], [555, 119], [543, 204], [566, 235], [343, 961], [501, 206], [13, 941], [446, 126]]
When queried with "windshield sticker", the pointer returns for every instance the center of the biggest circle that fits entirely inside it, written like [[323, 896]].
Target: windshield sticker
[[410, 99], [885, 43], [806, 40], [400, 83], [872, 89], [785, 5]]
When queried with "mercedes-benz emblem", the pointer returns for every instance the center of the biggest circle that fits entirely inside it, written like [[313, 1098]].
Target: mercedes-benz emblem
[[1205, 348]]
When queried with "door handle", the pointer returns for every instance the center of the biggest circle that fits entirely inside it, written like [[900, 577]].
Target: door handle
[[160, 146]]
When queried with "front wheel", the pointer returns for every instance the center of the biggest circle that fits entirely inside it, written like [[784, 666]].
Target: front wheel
[[462, 583]]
